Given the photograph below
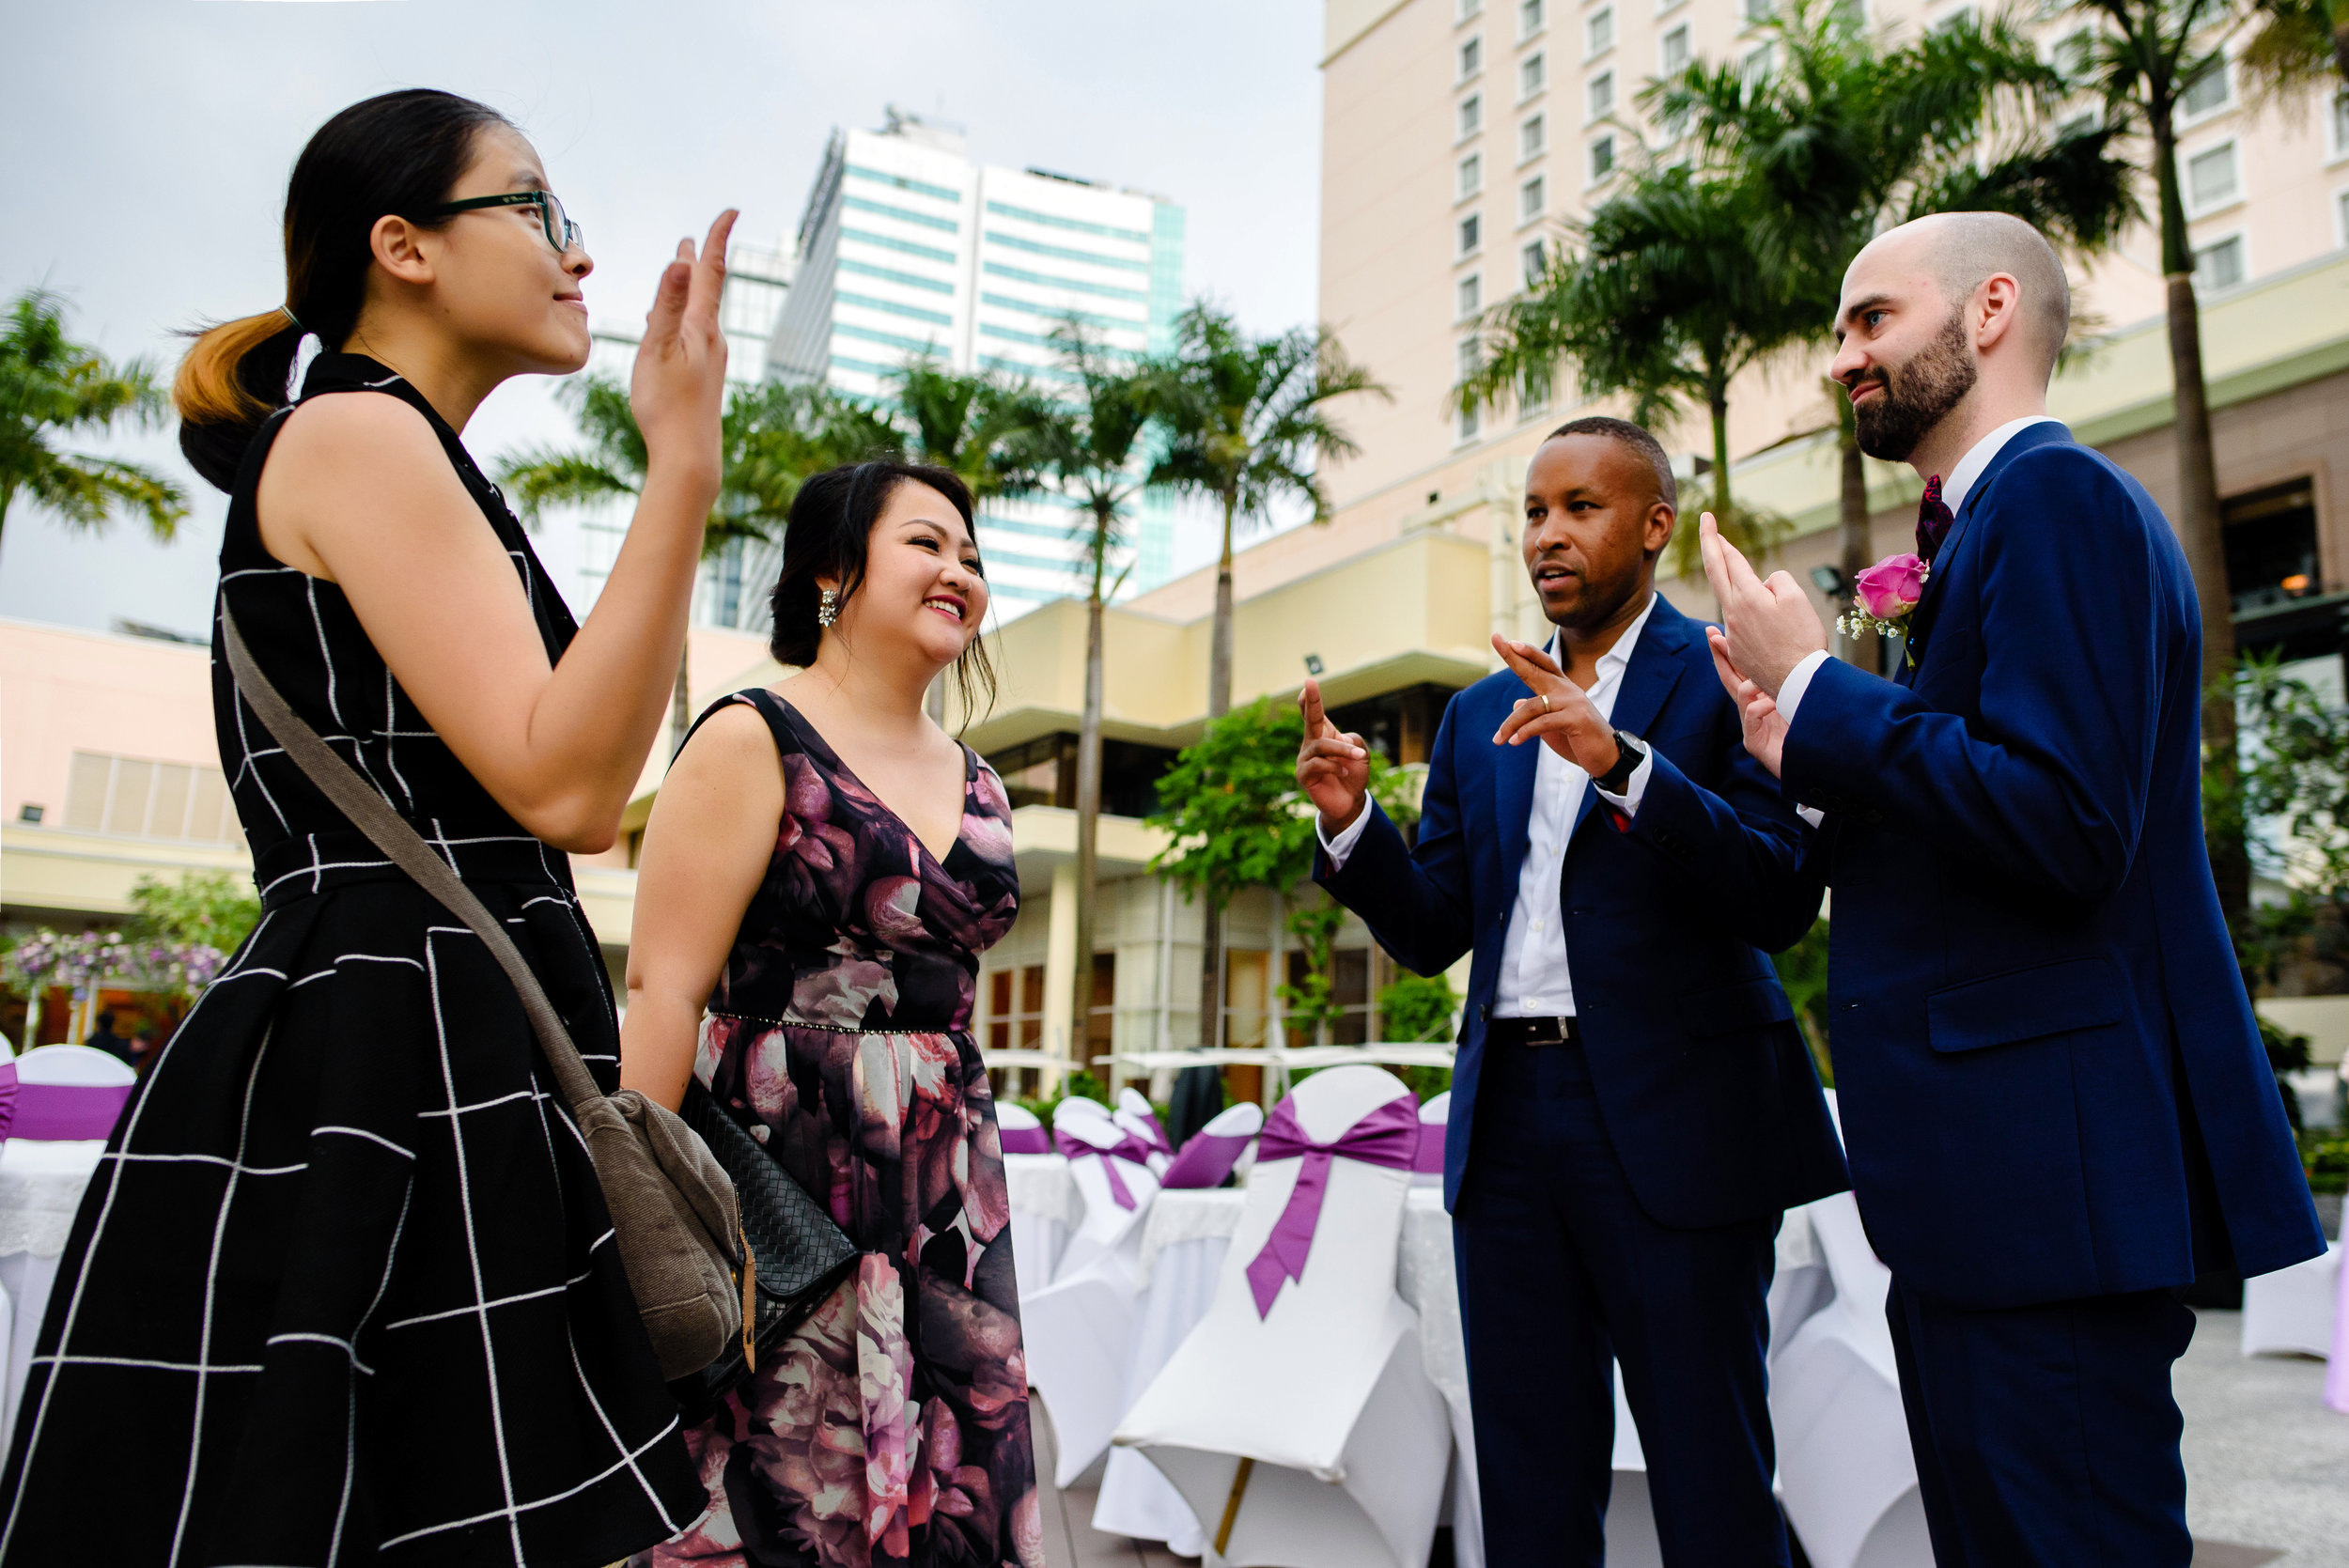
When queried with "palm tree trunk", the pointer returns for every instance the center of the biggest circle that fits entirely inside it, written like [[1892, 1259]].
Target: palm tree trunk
[[1088, 809], [1218, 704], [1855, 543], [2201, 528], [1716, 404]]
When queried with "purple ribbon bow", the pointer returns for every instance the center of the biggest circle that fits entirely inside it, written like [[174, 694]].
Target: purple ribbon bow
[[59, 1111], [1206, 1159], [1151, 1134], [1127, 1147], [1430, 1149], [1025, 1140], [9, 1091], [1388, 1137]]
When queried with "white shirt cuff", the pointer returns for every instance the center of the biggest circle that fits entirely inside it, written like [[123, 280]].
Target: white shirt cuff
[[1798, 681], [1338, 848], [1633, 790], [1811, 814]]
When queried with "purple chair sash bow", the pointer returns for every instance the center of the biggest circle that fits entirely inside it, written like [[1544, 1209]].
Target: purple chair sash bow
[[1026, 1140], [58, 1111], [1127, 1147], [1430, 1156], [9, 1091], [1206, 1159], [1150, 1133], [1388, 1137]]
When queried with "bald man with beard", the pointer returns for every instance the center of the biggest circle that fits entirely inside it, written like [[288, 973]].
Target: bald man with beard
[[2054, 1097]]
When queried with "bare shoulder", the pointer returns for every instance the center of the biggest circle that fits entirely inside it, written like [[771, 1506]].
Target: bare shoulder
[[357, 432], [732, 745]]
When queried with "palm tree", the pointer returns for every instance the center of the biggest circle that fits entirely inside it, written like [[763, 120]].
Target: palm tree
[[51, 384], [2140, 61], [2297, 43], [1089, 453], [771, 436], [1846, 137], [1660, 293], [1246, 420]]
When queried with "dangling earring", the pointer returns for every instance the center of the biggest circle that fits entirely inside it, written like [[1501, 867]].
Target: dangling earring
[[827, 608]]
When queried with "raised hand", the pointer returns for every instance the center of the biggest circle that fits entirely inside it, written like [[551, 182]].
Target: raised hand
[[679, 388], [1560, 714], [1757, 710], [1771, 626], [1333, 770]]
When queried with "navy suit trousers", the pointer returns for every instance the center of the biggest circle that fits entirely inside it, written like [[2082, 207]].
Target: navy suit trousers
[[2047, 1436], [1560, 1268]]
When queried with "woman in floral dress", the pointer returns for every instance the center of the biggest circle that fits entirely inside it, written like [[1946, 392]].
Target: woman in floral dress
[[820, 874]]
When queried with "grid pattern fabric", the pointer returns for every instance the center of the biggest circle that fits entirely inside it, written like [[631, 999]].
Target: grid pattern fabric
[[344, 1271]]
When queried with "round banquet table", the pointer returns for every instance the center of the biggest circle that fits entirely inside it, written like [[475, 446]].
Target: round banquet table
[[40, 1187], [1184, 1245]]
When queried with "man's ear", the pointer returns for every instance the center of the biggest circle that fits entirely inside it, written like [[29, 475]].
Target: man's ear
[[1996, 309], [402, 249], [1661, 519]]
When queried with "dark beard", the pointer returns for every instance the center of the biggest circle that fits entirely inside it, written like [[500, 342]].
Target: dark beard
[[1934, 381]]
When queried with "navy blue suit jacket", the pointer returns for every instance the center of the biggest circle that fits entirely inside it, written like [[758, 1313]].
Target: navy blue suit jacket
[[1702, 1076], [2050, 1079]]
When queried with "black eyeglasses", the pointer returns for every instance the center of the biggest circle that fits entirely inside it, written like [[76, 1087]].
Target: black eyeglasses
[[561, 232]]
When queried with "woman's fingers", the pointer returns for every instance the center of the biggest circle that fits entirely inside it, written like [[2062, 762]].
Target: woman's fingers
[[667, 314], [709, 271]]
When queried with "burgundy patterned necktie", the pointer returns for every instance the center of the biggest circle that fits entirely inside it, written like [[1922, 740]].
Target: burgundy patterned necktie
[[1932, 521]]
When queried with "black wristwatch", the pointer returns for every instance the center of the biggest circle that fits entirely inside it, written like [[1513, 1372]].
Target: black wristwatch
[[1630, 752]]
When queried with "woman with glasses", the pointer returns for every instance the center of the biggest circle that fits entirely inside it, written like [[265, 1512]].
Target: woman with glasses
[[344, 1287]]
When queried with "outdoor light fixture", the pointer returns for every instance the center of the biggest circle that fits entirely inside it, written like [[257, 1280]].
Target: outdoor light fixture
[[1829, 581], [1312, 665]]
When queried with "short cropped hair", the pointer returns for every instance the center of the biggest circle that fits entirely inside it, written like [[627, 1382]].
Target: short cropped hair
[[1625, 433], [1968, 247]]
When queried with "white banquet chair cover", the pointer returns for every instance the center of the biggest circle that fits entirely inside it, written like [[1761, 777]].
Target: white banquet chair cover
[[1845, 1471], [1324, 1392], [1135, 1116], [2292, 1310], [79, 1065], [1107, 1225], [1045, 1206]]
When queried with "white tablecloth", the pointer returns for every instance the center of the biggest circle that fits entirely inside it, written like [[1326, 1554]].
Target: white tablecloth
[[40, 1187]]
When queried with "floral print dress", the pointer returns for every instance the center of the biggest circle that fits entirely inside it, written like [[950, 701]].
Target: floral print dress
[[893, 1426]]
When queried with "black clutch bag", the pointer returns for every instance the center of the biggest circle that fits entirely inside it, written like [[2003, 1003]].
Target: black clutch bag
[[798, 1256]]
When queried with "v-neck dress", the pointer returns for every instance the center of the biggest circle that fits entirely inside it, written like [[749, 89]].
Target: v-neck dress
[[893, 1427], [343, 1289]]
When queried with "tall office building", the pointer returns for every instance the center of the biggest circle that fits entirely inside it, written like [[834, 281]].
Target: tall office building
[[908, 249]]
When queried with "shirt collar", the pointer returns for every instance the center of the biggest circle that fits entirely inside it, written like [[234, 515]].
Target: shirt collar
[[1615, 660], [1969, 467]]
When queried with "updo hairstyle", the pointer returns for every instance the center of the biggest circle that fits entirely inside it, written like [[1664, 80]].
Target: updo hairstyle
[[399, 154], [827, 532]]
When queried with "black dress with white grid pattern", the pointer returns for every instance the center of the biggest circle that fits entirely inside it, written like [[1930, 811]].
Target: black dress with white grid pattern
[[343, 1288]]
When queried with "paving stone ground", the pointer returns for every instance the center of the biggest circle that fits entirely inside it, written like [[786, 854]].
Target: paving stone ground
[[2266, 1465]]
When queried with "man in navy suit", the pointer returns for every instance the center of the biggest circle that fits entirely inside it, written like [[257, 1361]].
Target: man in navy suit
[[1633, 1105], [2052, 1087]]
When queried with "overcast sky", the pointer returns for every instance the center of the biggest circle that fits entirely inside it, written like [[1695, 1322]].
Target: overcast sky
[[147, 144]]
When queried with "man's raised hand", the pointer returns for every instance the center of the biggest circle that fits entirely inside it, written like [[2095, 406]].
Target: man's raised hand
[[1560, 714], [1757, 711], [1333, 770], [1770, 624]]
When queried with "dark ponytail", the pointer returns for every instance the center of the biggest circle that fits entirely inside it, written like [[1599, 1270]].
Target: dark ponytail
[[399, 154]]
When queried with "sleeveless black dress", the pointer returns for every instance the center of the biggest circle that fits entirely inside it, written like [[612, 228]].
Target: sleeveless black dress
[[343, 1288]]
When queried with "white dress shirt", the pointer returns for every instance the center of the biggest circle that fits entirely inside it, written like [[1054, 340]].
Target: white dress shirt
[[1960, 480], [1534, 982]]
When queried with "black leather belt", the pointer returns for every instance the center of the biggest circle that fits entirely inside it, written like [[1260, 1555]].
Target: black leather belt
[[1532, 1032]]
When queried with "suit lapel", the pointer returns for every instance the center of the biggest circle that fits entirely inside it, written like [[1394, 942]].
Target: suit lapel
[[1945, 558], [1513, 790], [1656, 668]]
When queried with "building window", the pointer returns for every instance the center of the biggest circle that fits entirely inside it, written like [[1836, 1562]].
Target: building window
[[1674, 51], [1014, 1014], [1471, 235], [1533, 138], [1467, 10], [1468, 297], [2271, 544], [2211, 92], [1471, 175], [1531, 200], [1602, 157], [1471, 115], [2219, 266], [1533, 16], [1471, 57], [1349, 993], [1598, 33], [1532, 75], [1532, 260], [1755, 69], [136, 799], [2211, 179], [2340, 215], [1598, 96], [1755, 12], [2340, 123]]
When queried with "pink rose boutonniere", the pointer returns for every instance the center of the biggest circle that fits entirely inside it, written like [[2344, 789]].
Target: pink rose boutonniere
[[1887, 592]]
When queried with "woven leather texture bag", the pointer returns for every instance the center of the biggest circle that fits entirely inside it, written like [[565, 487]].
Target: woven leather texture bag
[[674, 1213], [800, 1256]]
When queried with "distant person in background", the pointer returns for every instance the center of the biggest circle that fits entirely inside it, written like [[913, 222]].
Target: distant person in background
[[143, 1049], [348, 1259], [104, 1038]]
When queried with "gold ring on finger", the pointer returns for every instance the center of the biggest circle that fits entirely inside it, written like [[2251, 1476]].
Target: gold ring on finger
[[1545, 697]]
